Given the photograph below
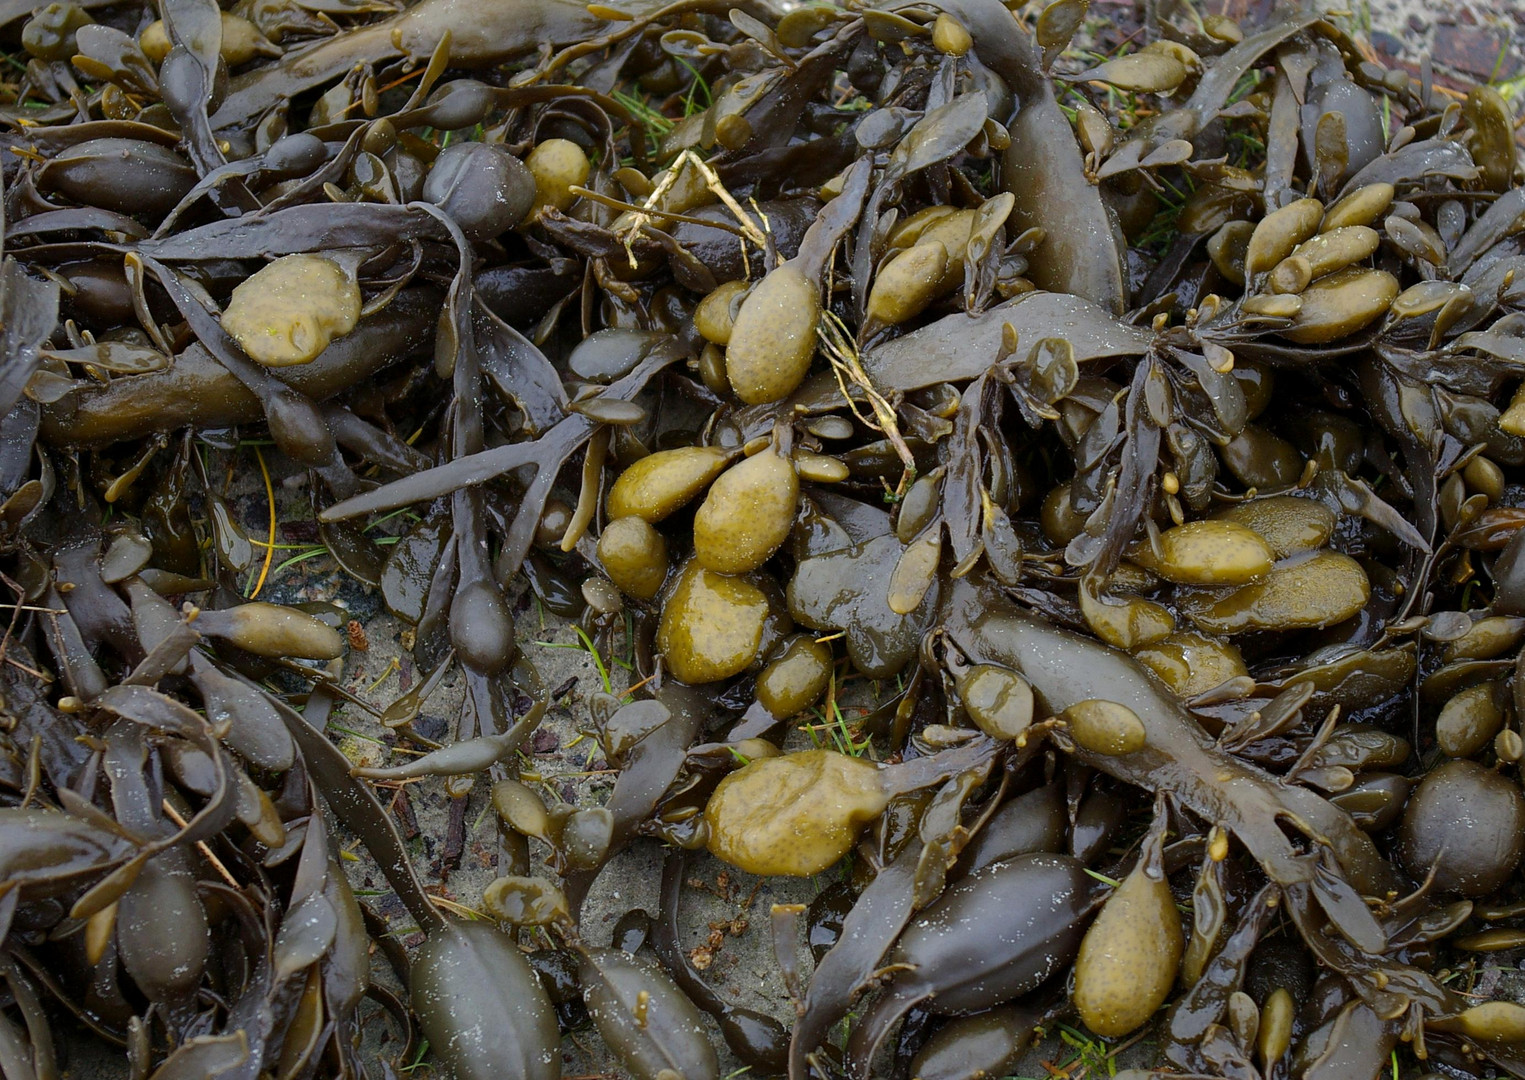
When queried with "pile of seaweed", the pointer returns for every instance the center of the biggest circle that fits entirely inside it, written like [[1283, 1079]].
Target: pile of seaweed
[[1137, 436]]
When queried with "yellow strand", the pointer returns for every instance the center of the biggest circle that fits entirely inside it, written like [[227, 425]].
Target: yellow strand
[[269, 544]]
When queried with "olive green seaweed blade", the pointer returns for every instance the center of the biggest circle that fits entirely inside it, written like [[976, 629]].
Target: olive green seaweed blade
[[1082, 252]]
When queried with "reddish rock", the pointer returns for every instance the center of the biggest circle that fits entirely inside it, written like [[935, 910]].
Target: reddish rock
[[1476, 51]]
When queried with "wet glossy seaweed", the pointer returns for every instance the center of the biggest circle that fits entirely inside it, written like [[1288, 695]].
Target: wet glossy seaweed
[[1093, 444]]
